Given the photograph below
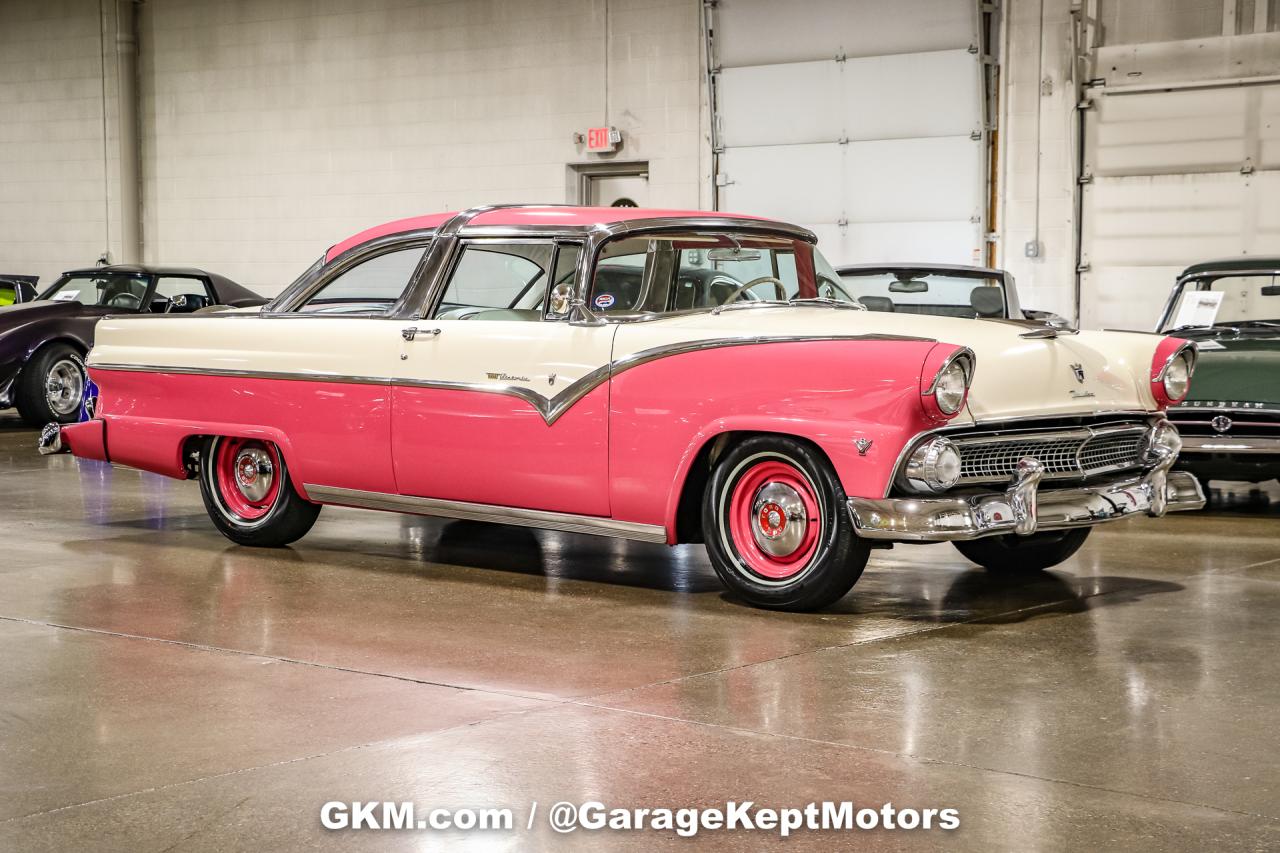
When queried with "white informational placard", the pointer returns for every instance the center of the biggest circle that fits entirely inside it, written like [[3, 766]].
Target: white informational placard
[[66, 296], [1198, 308]]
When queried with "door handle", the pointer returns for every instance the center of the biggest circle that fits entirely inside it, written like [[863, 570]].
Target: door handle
[[413, 331]]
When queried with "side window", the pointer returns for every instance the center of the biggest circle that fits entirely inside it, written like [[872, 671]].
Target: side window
[[498, 280], [370, 287], [180, 294], [683, 272]]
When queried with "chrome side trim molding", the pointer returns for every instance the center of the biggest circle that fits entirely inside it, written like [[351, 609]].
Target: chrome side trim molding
[[551, 408], [592, 525]]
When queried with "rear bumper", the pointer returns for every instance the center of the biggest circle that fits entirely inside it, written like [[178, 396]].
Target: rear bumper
[[1022, 509], [87, 439]]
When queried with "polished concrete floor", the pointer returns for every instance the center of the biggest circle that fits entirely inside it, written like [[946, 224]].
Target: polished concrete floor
[[164, 690]]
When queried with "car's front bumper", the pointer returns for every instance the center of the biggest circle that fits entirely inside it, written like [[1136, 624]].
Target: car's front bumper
[[1198, 445], [1024, 508]]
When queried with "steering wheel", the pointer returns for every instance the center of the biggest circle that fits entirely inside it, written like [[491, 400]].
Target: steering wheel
[[832, 286], [779, 289], [125, 300]]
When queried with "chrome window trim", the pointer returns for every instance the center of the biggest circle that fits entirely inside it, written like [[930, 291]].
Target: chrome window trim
[[463, 242], [290, 303], [565, 522], [551, 409]]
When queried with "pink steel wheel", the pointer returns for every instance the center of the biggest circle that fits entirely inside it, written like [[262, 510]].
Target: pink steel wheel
[[248, 476], [774, 519]]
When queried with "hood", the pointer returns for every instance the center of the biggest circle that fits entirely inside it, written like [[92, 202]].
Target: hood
[[1016, 377], [24, 312], [1243, 368]]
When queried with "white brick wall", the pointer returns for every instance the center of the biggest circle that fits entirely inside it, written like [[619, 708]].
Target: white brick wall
[[53, 208], [273, 129]]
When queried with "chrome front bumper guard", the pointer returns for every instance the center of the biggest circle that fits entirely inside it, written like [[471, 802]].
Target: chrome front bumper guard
[[1024, 509]]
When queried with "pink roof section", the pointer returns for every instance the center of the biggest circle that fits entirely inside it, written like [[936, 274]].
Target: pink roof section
[[532, 215]]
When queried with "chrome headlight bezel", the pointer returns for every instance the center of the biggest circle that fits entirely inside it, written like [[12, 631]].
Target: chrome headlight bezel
[[933, 466]]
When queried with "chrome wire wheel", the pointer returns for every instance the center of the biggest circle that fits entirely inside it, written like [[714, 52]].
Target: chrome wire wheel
[[64, 386]]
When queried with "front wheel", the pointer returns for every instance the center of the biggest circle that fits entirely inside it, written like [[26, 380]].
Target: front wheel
[[1014, 553], [776, 526], [248, 494]]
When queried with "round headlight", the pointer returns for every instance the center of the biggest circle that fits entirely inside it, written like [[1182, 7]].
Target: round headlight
[[934, 466], [950, 389], [1177, 377]]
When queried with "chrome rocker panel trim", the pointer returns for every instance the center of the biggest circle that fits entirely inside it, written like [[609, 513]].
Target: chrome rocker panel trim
[[948, 519], [566, 522], [1194, 444]]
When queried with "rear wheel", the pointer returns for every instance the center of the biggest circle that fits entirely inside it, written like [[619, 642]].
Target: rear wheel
[[51, 386], [776, 526], [248, 494], [1034, 553]]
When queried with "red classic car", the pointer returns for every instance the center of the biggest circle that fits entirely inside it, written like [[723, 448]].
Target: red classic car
[[656, 375]]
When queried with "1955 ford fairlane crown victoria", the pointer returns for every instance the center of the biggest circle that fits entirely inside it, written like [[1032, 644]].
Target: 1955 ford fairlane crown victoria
[[654, 375]]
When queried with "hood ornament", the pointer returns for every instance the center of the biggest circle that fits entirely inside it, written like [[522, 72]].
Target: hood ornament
[[1078, 370]]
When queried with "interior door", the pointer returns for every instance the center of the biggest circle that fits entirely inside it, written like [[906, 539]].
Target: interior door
[[486, 410]]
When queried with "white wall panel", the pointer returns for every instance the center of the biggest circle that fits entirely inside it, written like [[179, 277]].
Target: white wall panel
[[913, 180], [1168, 191], [855, 117], [914, 94], [779, 104], [796, 183], [765, 32]]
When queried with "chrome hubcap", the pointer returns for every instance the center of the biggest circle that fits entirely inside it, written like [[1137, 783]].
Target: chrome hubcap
[[63, 387], [254, 473], [779, 520]]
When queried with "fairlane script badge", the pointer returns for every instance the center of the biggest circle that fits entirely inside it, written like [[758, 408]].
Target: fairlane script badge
[[506, 377]]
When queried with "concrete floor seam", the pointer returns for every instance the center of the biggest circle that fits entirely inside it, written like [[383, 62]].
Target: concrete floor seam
[[314, 664]]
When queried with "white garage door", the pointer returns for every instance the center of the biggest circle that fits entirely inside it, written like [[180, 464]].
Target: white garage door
[[861, 119], [1177, 177]]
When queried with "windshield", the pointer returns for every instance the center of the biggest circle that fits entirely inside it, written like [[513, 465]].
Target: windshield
[[921, 291], [108, 289], [1227, 301]]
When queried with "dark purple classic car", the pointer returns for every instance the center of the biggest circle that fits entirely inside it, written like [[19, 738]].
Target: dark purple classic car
[[43, 341]]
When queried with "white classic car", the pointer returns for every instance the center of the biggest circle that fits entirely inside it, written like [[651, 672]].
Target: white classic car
[[655, 375]]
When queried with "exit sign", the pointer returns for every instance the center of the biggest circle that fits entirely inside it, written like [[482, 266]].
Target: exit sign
[[601, 139]]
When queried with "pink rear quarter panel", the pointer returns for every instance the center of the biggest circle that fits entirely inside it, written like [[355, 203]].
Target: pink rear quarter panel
[[829, 392], [330, 432]]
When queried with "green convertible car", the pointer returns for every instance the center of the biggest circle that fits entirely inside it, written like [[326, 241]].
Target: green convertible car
[[1230, 422]]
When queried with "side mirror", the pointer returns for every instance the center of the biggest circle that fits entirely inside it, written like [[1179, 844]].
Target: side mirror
[[561, 300], [581, 315]]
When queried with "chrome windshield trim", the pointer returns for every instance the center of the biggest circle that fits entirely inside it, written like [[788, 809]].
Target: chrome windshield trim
[[550, 408], [565, 522]]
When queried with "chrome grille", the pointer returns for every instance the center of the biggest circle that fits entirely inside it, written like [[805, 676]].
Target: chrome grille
[[1063, 453]]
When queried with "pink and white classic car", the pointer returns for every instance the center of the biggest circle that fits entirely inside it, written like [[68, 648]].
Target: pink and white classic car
[[654, 375]]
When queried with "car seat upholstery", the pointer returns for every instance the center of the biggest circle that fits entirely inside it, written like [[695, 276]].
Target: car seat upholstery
[[877, 303], [987, 301]]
